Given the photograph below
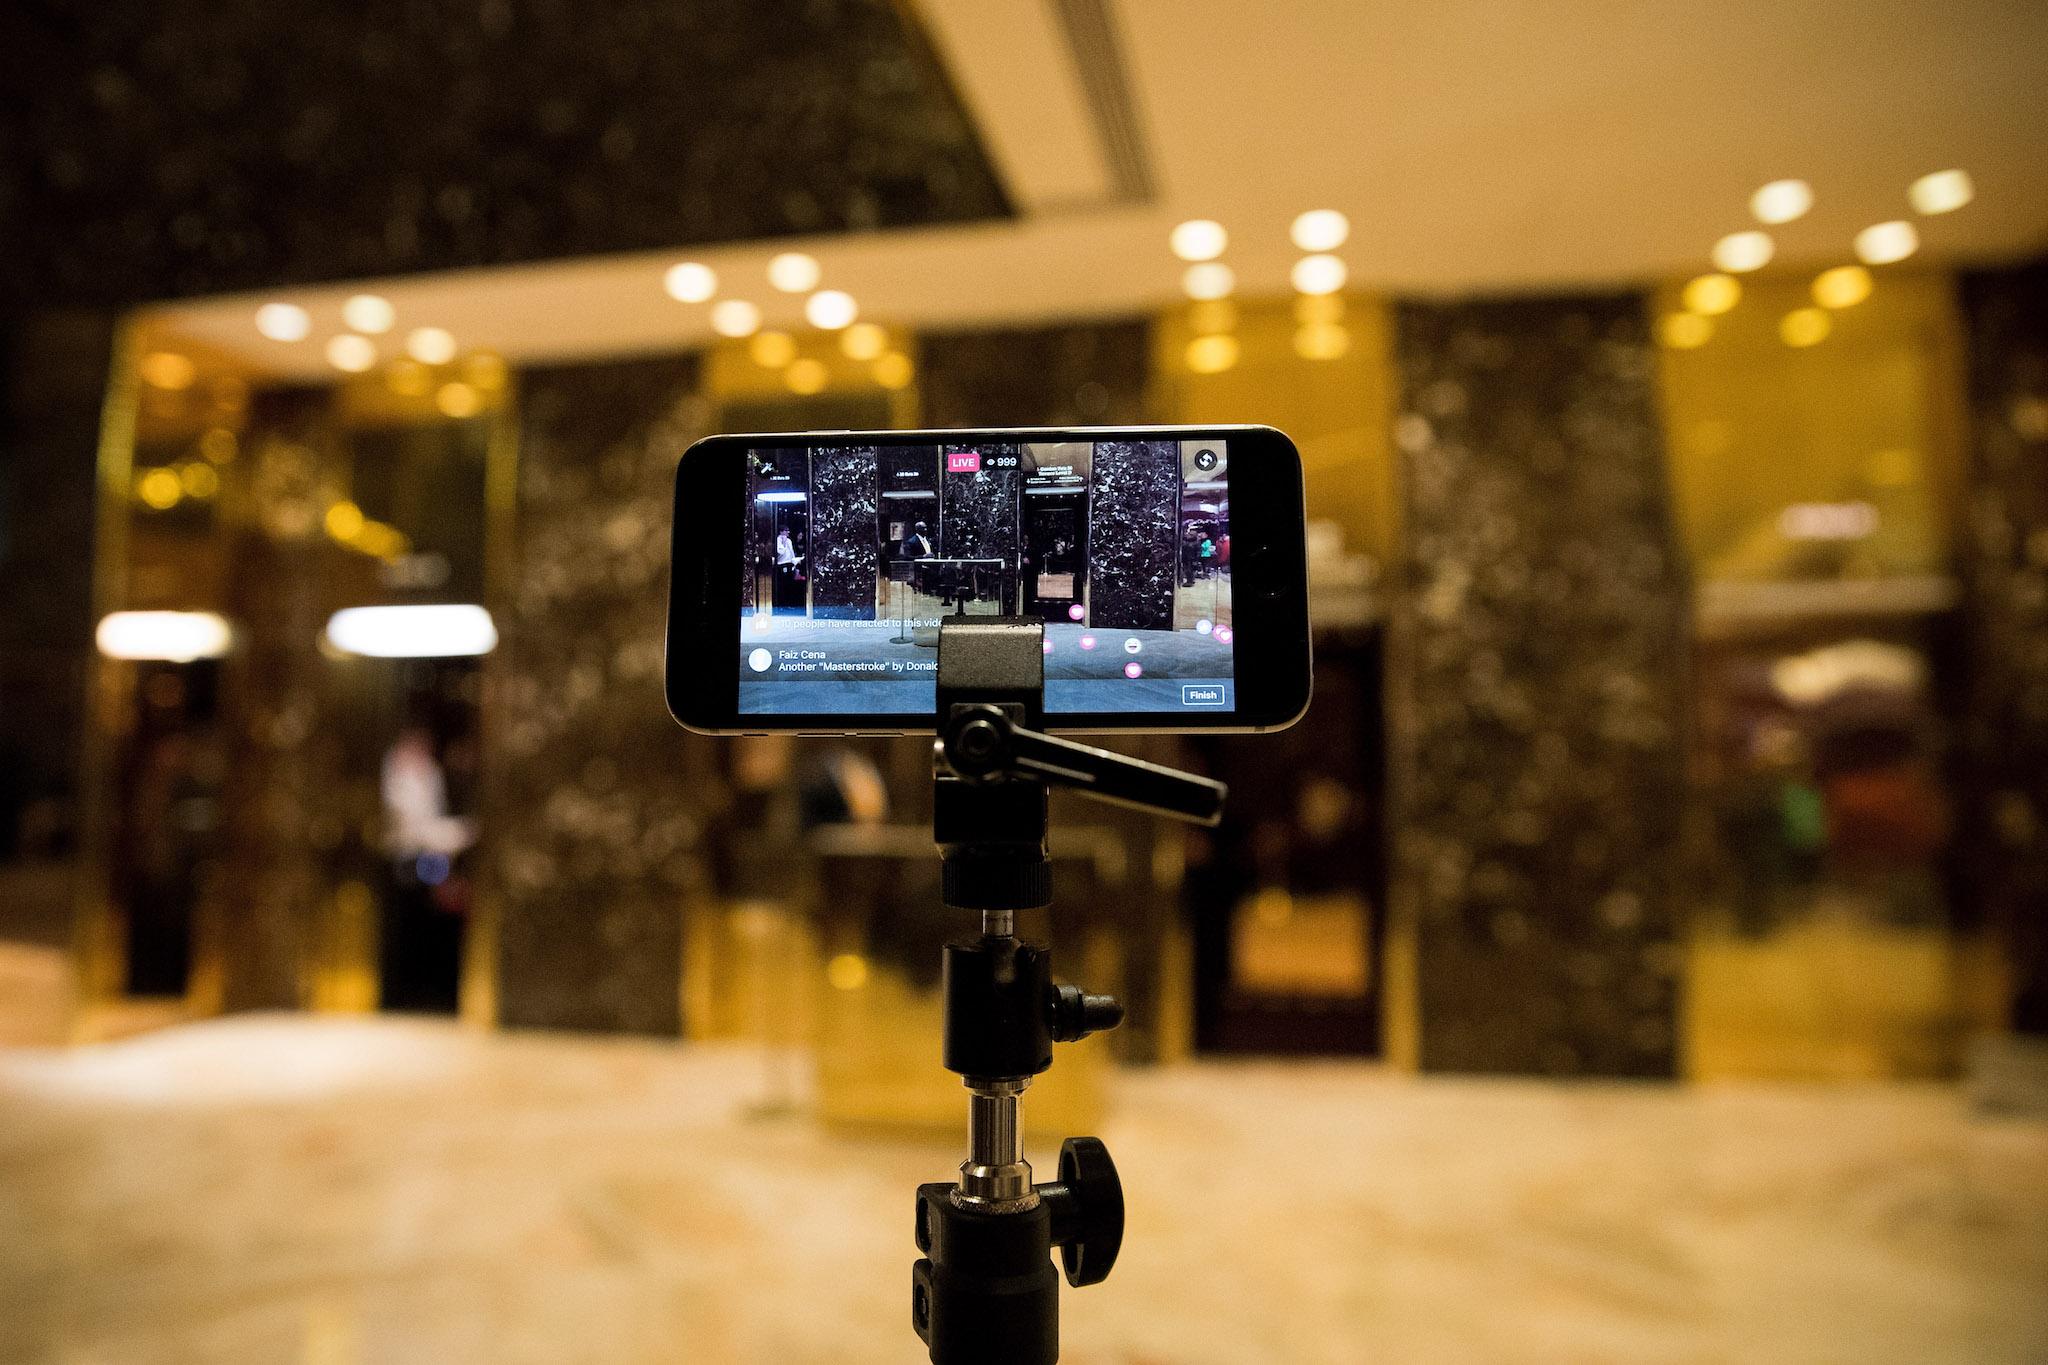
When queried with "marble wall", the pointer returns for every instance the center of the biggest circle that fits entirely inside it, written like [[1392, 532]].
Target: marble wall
[[1081, 374], [845, 547], [1536, 690], [1133, 534], [595, 798], [2003, 826], [979, 514]]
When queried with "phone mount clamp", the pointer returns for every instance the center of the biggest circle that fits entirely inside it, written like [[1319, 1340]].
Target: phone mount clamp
[[985, 1291]]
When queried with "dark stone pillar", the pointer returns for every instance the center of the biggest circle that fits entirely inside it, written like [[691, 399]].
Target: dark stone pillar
[[1083, 374], [844, 547], [596, 797], [979, 516], [1537, 690], [1133, 534], [2003, 760]]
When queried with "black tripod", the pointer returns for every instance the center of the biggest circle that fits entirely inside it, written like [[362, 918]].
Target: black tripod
[[985, 1290]]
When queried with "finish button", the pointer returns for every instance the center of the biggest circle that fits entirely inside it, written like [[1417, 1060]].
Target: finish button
[[1202, 694]]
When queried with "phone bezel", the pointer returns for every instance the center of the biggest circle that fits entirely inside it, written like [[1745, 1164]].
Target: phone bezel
[[1273, 672]]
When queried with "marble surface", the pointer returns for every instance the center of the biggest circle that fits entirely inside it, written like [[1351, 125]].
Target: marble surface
[[275, 1188]]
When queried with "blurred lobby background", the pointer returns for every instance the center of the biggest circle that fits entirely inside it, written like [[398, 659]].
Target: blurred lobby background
[[1639, 952]]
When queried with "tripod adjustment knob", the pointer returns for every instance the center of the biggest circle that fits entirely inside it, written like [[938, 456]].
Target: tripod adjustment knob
[[1076, 1014], [1087, 1206]]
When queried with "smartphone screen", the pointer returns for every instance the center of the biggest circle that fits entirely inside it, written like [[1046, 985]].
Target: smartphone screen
[[1128, 545]]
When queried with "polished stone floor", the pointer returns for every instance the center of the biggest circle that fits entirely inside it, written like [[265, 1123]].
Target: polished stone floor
[[328, 1191]]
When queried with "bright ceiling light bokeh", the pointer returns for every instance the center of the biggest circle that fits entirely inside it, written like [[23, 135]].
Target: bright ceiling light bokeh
[[1843, 287], [1884, 243], [458, 400], [735, 318], [1212, 355], [350, 353], [1322, 340], [160, 488], [1781, 201], [793, 272], [1941, 192], [283, 322], [1319, 275], [167, 370], [894, 371], [830, 309], [864, 341], [1740, 251], [370, 314], [806, 376], [430, 345], [440, 631], [1684, 331], [164, 636], [1712, 295], [1199, 239], [689, 282], [772, 350], [1320, 230], [1209, 280], [1805, 326]]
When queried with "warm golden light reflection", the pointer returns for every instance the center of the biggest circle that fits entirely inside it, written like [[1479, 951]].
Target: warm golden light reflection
[[430, 345], [350, 353], [1781, 201], [1741, 251], [485, 369], [689, 282], [370, 314], [1209, 280], [458, 400], [1211, 315], [1318, 275], [199, 479], [806, 376], [1310, 308], [1805, 326], [1843, 287], [894, 371], [167, 370], [1212, 355], [735, 318], [409, 378], [793, 272], [344, 520], [160, 488], [219, 445], [1322, 341], [847, 972], [1712, 295], [830, 309], [1941, 192], [283, 322], [1684, 331], [1198, 239], [1884, 243], [772, 350], [1320, 230], [863, 341]]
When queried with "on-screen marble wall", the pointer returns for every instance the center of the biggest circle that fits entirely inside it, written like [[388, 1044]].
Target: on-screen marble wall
[[1536, 689], [1133, 534], [844, 549]]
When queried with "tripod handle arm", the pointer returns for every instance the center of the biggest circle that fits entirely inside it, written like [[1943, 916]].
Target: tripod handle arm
[[982, 743]]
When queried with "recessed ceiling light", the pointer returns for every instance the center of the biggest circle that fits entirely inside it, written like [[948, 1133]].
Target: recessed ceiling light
[[458, 400], [1322, 340], [1712, 295], [171, 636], [1209, 280], [1843, 287], [350, 353], [1740, 251], [1212, 355], [1320, 230], [1781, 201], [894, 370], [806, 376], [1319, 275], [772, 350], [1199, 239], [1684, 331], [283, 321], [690, 282], [1941, 192], [368, 313], [863, 341], [1884, 243], [831, 309], [430, 345], [167, 370], [735, 318], [1805, 326], [793, 272]]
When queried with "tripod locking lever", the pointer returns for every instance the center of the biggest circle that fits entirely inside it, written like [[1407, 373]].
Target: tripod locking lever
[[981, 742]]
